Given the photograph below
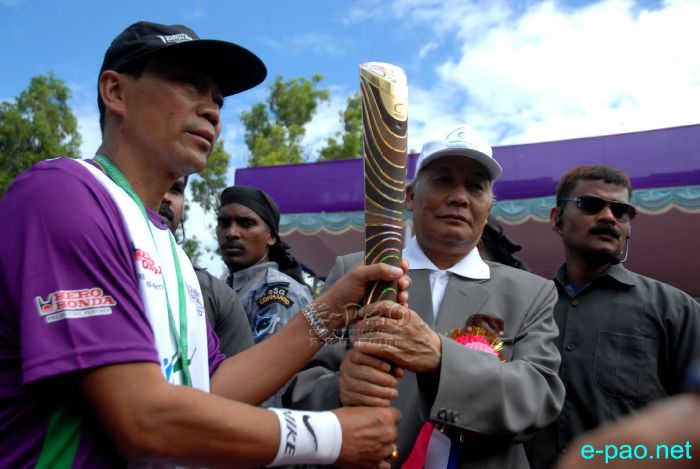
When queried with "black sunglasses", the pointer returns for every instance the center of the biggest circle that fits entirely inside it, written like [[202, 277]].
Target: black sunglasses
[[590, 204]]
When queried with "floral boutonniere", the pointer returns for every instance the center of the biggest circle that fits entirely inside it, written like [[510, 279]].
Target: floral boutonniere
[[483, 333]]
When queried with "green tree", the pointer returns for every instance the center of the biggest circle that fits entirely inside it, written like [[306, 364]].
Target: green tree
[[208, 184], [349, 144], [193, 249], [206, 189], [275, 129], [39, 124]]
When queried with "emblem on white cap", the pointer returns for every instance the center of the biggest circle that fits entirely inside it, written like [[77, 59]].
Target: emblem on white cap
[[463, 141]]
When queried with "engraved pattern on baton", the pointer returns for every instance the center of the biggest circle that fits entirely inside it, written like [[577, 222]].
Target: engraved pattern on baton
[[384, 91]]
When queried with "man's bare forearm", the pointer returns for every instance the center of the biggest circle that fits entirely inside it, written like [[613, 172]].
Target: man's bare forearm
[[266, 366], [147, 418]]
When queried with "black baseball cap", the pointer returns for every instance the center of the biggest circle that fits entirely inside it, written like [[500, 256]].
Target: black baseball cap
[[234, 68]]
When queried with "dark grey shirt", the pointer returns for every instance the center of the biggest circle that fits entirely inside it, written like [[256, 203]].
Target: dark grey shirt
[[225, 313], [625, 340]]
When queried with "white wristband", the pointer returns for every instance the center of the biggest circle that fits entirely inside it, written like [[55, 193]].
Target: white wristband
[[307, 437]]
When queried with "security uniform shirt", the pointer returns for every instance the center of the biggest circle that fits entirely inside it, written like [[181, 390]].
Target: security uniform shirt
[[269, 297], [625, 340]]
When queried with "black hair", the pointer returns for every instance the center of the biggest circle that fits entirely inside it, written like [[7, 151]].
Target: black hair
[[287, 264], [499, 247], [600, 172]]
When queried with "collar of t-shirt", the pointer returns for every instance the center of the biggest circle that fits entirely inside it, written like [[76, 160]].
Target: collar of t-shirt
[[471, 267]]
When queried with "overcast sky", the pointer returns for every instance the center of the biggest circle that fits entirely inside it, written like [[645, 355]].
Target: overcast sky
[[517, 71]]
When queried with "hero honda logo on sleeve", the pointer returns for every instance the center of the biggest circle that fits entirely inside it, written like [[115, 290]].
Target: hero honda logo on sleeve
[[71, 304]]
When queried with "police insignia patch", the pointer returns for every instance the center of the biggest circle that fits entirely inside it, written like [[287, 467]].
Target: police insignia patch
[[265, 324], [275, 295]]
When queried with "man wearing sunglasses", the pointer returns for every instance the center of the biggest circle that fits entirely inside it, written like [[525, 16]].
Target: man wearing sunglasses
[[625, 339]]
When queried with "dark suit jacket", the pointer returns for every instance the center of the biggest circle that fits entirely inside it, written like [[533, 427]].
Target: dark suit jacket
[[494, 405]]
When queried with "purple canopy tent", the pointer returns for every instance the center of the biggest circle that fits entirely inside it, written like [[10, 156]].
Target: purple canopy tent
[[322, 203]]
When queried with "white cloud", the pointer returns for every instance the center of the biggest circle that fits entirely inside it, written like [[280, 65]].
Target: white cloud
[[425, 50], [364, 10], [232, 135], [429, 113], [445, 17], [89, 128], [553, 73], [325, 123], [84, 104], [201, 225]]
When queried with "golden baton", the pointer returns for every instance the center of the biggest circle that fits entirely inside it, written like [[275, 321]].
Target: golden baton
[[384, 90]]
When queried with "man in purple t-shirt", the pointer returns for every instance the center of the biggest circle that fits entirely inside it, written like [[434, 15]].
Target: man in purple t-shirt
[[105, 355]]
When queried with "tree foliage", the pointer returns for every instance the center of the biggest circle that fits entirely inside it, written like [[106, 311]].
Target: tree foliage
[[276, 128], [206, 188], [208, 184], [349, 144], [38, 125], [193, 249], [274, 132]]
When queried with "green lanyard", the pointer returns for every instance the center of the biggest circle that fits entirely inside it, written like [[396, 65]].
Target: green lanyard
[[180, 339]]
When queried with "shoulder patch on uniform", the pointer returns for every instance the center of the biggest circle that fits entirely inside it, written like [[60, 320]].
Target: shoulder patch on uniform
[[275, 295]]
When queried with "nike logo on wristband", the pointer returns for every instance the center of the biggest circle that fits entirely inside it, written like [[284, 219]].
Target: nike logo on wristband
[[290, 447], [305, 418]]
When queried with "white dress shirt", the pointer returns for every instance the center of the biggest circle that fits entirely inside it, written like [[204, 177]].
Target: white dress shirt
[[472, 267]]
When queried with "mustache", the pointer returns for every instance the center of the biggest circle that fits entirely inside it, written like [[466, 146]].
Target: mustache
[[605, 229], [166, 211], [231, 245]]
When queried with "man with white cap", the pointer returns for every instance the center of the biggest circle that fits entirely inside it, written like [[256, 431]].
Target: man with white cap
[[472, 364]]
